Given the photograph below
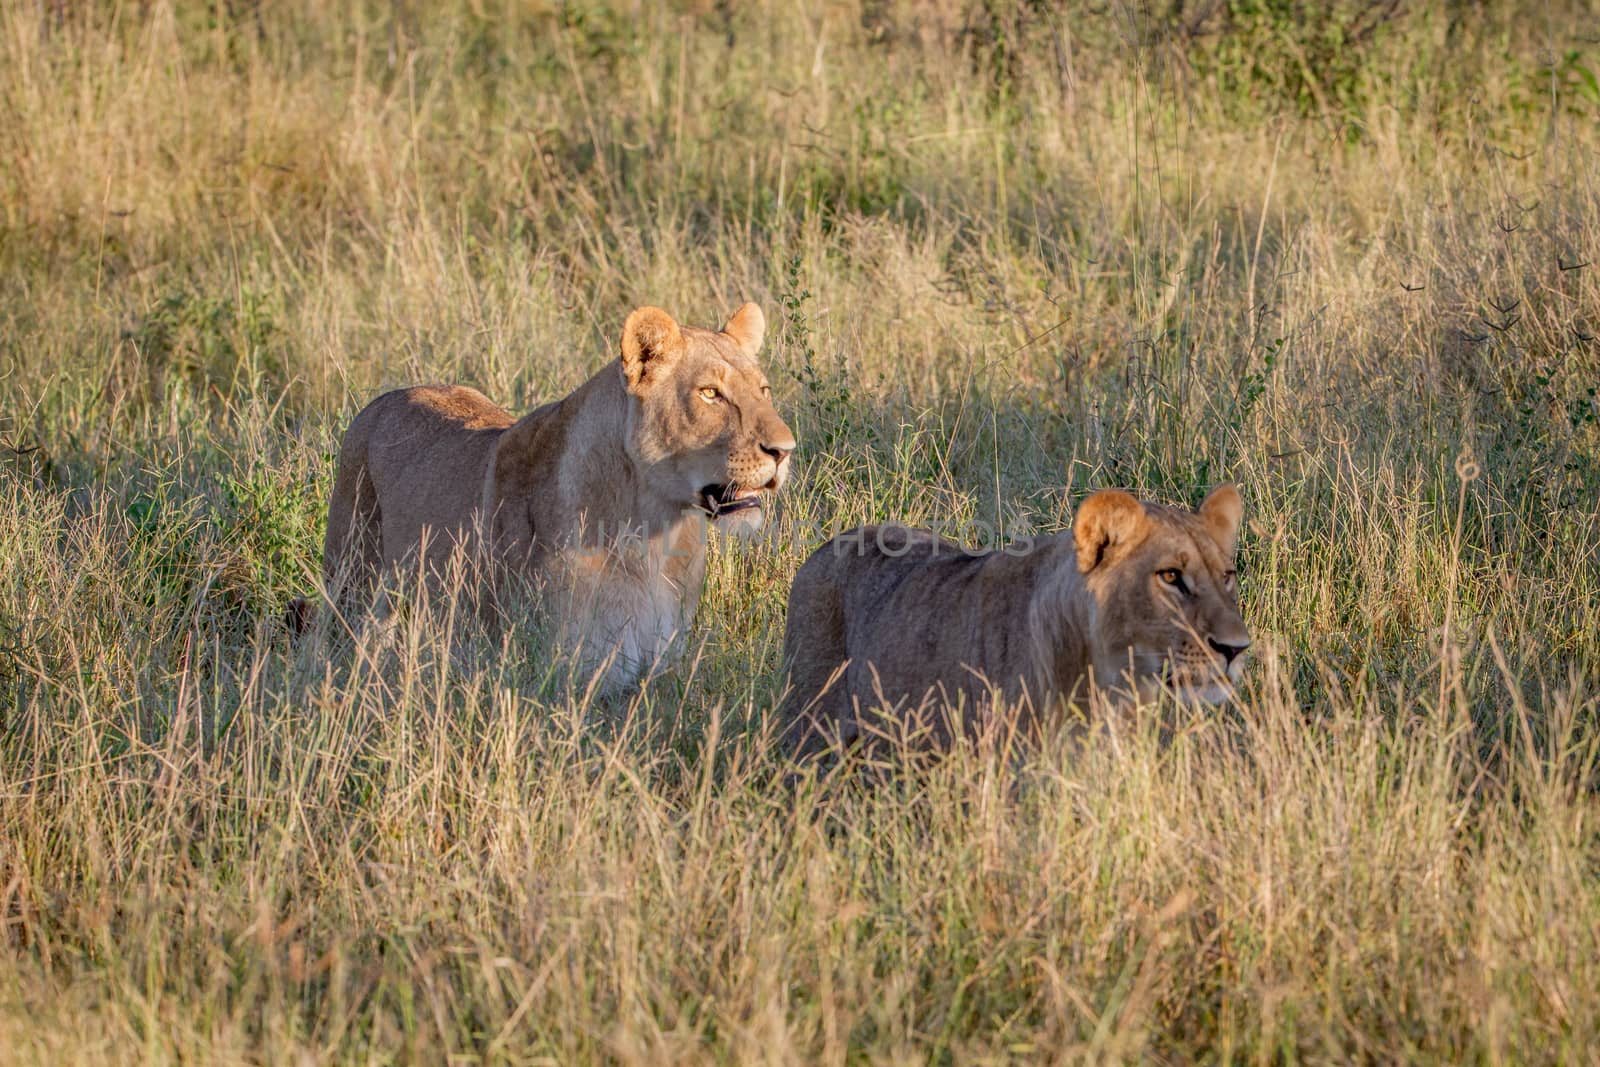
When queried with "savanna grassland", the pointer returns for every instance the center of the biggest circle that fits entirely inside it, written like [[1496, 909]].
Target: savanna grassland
[[1347, 255]]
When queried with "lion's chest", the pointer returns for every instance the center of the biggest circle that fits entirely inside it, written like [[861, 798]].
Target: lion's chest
[[628, 610]]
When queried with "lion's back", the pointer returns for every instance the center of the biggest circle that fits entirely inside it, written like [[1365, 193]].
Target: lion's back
[[880, 594], [859, 568], [424, 450], [890, 612]]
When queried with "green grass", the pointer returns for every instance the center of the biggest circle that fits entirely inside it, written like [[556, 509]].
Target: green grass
[[1009, 252]]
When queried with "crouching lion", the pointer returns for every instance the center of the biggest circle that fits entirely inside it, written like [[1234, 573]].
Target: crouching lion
[[922, 633], [601, 499]]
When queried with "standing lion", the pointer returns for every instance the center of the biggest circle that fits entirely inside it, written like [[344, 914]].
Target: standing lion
[[598, 502]]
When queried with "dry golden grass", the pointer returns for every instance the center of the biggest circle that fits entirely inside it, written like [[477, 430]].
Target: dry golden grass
[[1010, 252]]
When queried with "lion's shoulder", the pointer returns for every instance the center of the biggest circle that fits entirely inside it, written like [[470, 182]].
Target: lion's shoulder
[[459, 404]]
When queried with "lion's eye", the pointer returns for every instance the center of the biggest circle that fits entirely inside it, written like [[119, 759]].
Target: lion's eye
[[710, 394], [1172, 576], [766, 391]]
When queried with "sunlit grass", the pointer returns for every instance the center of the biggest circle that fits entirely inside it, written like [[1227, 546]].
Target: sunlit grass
[[1007, 255]]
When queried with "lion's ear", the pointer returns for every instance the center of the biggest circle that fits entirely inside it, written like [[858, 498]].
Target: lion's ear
[[651, 342], [1222, 509], [747, 327], [1107, 521]]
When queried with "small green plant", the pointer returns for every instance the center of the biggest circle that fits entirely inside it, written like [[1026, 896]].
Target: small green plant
[[1253, 384], [165, 543], [275, 523], [224, 344], [1314, 57], [1567, 84], [827, 393]]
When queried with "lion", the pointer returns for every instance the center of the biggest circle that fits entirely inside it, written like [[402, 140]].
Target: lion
[[925, 635], [598, 503]]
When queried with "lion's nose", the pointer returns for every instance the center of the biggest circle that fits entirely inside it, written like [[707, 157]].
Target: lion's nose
[[778, 452], [1229, 652]]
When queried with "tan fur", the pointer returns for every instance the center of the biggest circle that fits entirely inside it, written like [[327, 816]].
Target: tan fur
[[903, 624], [595, 498]]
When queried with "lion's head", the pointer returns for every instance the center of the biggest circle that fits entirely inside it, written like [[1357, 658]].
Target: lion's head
[[703, 428], [1166, 601]]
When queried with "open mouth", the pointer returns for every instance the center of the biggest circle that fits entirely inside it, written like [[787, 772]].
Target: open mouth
[[1177, 679], [720, 500], [1190, 689]]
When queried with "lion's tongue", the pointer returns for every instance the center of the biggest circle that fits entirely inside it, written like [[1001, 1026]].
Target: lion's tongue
[[724, 502]]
